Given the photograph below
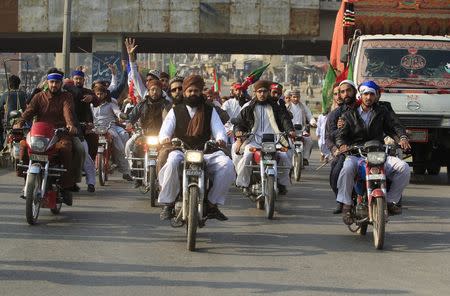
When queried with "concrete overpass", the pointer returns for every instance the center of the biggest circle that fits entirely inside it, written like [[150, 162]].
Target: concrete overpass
[[302, 27]]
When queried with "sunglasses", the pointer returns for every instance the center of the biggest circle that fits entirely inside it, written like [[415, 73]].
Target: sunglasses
[[180, 88]]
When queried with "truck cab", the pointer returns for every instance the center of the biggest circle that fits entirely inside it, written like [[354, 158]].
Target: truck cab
[[414, 74]]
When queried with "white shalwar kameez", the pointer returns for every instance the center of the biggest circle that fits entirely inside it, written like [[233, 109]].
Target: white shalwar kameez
[[302, 115], [264, 124], [219, 166]]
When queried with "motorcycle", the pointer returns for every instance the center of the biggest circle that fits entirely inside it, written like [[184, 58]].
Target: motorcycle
[[145, 167], [43, 171], [263, 181], [297, 156], [13, 138], [191, 203], [103, 153], [369, 194]]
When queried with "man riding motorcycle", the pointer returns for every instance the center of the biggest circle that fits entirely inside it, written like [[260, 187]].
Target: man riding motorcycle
[[194, 122], [150, 113], [302, 115], [370, 121], [55, 107], [261, 116]]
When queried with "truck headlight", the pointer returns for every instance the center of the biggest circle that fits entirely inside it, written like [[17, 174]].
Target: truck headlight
[[152, 140], [194, 156]]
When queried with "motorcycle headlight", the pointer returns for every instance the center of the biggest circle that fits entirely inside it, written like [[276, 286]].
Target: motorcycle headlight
[[38, 144], [194, 156], [376, 158], [152, 140], [268, 147]]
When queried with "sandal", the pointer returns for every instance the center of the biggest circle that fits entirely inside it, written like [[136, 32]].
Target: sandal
[[347, 215]]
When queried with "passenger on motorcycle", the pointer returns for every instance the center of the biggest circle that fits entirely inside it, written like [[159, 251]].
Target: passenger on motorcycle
[[344, 98], [194, 122], [105, 115], [176, 90], [55, 107], [150, 113], [262, 116], [370, 121], [302, 115]]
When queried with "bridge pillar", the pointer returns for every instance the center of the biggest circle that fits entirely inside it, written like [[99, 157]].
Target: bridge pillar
[[106, 49]]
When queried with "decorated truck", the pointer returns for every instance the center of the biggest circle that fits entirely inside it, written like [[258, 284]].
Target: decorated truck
[[404, 47]]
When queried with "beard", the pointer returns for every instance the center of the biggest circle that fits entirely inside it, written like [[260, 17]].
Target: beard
[[242, 100], [348, 100], [193, 101], [177, 99]]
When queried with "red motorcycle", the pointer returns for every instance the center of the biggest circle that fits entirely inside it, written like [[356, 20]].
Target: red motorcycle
[[42, 189]]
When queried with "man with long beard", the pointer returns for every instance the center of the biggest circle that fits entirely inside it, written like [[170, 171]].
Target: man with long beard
[[345, 99], [194, 122]]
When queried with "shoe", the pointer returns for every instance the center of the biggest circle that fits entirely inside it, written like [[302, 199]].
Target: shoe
[[338, 208], [75, 188], [215, 213], [166, 212], [282, 189], [347, 214], [394, 209], [305, 161], [67, 197], [91, 188], [137, 183], [127, 177]]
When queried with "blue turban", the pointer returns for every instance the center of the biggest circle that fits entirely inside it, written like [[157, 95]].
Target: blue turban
[[78, 73]]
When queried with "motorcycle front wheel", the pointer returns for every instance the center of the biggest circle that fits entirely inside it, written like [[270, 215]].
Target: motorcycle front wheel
[[378, 206], [298, 159], [192, 224], [101, 169], [33, 200], [152, 186], [269, 197]]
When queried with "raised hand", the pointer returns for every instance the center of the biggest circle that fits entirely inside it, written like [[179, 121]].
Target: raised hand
[[130, 44], [113, 69]]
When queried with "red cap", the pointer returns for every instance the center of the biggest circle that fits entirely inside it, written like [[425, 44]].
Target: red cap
[[276, 86]]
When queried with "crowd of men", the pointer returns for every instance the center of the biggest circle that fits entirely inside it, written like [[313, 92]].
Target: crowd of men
[[185, 108]]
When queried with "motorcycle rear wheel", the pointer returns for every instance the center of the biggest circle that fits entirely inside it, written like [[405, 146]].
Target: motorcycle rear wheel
[[33, 201], [378, 206], [152, 186], [269, 197], [192, 224]]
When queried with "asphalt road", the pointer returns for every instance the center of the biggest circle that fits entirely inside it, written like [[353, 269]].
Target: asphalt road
[[112, 243]]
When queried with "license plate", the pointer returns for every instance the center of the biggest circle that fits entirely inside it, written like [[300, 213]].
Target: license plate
[[152, 153], [269, 162], [38, 157], [376, 177], [417, 135], [193, 172]]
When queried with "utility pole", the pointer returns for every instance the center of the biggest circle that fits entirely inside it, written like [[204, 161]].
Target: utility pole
[[66, 36]]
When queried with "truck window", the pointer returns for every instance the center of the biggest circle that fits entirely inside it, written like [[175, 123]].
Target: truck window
[[405, 63]]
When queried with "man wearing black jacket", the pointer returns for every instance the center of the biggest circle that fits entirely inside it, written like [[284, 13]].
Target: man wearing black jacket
[[370, 121], [262, 115], [346, 100]]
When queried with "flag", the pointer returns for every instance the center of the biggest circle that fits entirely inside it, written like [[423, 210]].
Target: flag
[[216, 86], [172, 69], [327, 90], [253, 77], [338, 39]]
